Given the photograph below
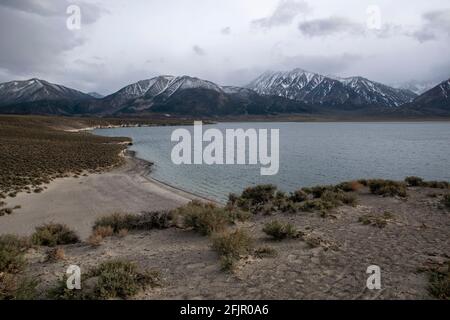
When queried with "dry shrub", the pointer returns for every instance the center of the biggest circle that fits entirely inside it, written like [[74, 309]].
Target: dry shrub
[[377, 220], [387, 188], [350, 186], [53, 234], [103, 232], [298, 196], [13, 287], [206, 218], [95, 240], [56, 254], [439, 282], [280, 231], [144, 221], [231, 246], [12, 251], [115, 222], [265, 252], [110, 280], [414, 181]]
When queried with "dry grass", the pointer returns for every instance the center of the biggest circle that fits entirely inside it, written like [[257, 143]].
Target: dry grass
[[32, 154]]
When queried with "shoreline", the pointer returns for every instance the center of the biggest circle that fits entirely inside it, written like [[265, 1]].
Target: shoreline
[[147, 175], [78, 202]]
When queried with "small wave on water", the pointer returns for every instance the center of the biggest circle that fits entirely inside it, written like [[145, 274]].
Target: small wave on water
[[310, 154]]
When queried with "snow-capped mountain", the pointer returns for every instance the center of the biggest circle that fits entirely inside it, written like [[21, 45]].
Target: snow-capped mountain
[[295, 92], [33, 90], [434, 102], [316, 89], [141, 94], [437, 96], [371, 92], [190, 95], [96, 95], [418, 87]]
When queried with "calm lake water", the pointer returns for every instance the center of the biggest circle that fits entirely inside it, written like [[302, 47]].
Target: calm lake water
[[310, 154]]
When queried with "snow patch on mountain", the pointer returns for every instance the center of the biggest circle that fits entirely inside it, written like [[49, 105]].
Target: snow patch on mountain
[[314, 88], [36, 90]]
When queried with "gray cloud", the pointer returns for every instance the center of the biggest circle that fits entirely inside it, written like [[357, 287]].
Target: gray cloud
[[34, 36], [331, 64], [89, 12], [198, 51], [126, 44], [436, 22], [284, 14], [330, 26]]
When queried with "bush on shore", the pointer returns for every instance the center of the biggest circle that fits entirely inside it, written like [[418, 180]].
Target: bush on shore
[[379, 221], [439, 286], [12, 250], [414, 181], [112, 279], [437, 184], [254, 197], [350, 186], [231, 246], [53, 234], [207, 218], [280, 231], [13, 286], [387, 188], [144, 221]]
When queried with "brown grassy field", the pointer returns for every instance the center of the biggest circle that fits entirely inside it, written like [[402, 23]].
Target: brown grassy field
[[36, 149], [33, 152]]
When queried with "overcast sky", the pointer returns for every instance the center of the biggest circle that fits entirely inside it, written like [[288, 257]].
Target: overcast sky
[[226, 41]]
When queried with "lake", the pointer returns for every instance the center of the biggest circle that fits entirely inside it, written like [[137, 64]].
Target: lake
[[310, 154]]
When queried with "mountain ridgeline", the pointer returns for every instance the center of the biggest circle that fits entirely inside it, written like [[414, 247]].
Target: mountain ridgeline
[[291, 92], [316, 89]]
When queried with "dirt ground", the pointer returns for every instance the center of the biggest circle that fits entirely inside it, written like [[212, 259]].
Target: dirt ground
[[418, 234]]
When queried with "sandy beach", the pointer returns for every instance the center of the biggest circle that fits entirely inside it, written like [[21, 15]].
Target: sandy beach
[[78, 202]]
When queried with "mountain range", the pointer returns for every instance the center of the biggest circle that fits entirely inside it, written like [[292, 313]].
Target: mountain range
[[316, 89], [297, 91]]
